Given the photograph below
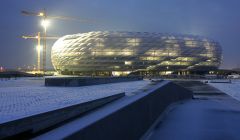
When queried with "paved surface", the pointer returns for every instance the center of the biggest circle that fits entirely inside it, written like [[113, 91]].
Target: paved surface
[[198, 87], [207, 117], [25, 97], [232, 89]]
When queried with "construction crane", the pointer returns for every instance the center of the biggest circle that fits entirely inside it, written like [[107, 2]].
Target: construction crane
[[44, 16], [39, 37]]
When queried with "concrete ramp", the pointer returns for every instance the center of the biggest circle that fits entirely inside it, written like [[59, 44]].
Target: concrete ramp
[[214, 118], [211, 115], [126, 119], [199, 88]]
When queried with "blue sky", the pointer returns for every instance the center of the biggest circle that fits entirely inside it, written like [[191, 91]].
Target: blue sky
[[216, 19]]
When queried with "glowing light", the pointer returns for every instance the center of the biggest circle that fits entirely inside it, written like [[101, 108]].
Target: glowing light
[[128, 62], [1, 69], [127, 52], [39, 48], [169, 72], [109, 53], [191, 43], [120, 73], [166, 72], [45, 23], [41, 14], [133, 41]]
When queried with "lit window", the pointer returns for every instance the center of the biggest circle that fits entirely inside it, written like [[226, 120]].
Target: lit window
[[133, 41], [128, 62], [190, 43]]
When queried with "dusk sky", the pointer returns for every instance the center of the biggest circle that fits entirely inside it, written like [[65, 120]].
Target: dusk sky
[[216, 19]]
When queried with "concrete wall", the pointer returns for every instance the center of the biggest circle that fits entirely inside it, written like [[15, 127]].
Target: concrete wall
[[86, 81], [126, 119], [35, 123]]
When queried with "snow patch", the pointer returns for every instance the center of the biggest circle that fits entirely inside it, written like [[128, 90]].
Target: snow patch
[[232, 89], [24, 97]]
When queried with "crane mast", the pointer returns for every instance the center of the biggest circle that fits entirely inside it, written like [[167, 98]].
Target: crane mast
[[44, 44], [39, 52], [38, 38], [44, 17]]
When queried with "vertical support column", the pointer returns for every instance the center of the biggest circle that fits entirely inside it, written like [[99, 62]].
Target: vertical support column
[[44, 51], [44, 44], [39, 52]]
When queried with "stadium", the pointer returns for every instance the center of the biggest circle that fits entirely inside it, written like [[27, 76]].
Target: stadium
[[122, 53]]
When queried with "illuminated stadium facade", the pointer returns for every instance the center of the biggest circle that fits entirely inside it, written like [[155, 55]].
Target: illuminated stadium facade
[[103, 53]]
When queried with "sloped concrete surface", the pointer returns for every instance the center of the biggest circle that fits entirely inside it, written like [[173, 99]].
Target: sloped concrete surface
[[199, 88], [206, 117]]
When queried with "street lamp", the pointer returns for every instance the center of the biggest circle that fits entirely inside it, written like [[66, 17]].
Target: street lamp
[[45, 23], [41, 14]]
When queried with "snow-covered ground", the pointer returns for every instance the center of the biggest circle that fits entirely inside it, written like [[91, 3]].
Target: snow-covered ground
[[232, 89], [28, 96]]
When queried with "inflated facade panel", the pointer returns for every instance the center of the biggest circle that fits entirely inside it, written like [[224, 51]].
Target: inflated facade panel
[[132, 51]]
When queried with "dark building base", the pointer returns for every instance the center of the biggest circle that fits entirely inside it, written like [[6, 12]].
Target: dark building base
[[87, 81]]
